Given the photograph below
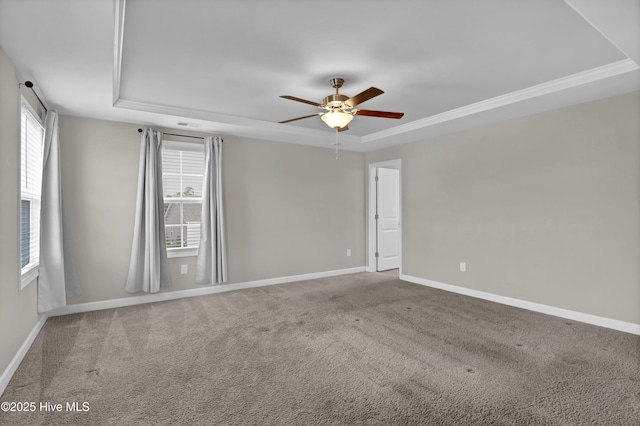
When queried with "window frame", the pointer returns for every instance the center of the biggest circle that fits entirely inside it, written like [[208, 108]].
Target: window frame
[[173, 252], [29, 272]]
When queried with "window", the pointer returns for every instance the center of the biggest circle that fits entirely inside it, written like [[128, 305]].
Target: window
[[31, 146], [182, 176]]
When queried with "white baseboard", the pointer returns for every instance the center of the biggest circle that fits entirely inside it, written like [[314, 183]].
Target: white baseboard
[[179, 294], [19, 356], [627, 327]]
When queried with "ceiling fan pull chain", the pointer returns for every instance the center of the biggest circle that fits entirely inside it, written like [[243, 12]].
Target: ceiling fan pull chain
[[336, 143]]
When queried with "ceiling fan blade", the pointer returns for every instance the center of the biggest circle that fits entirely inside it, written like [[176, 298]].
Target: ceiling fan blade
[[383, 114], [293, 98], [361, 97], [300, 118], [343, 129]]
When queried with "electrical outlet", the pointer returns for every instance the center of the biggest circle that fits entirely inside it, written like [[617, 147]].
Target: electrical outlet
[[184, 269], [463, 266], [348, 252]]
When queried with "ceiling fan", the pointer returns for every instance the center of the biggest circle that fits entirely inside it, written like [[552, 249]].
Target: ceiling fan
[[340, 109]]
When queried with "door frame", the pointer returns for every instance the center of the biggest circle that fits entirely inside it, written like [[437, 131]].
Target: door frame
[[371, 211]]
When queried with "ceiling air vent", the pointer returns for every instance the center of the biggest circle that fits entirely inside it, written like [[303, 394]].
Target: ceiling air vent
[[185, 124]]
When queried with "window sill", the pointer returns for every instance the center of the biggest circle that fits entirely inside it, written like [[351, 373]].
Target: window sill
[[182, 252], [28, 277]]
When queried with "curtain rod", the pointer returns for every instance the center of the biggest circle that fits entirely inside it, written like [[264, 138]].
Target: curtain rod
[[181, 136], [30, 86]]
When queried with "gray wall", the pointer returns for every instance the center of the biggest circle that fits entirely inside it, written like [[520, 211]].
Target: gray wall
[[290, 209], [18, 309], [543, 208]]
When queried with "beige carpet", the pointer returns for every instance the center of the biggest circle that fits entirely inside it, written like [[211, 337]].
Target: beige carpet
[[350, 350]]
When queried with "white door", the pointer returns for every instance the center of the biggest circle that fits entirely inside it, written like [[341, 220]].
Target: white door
[[388, 219]]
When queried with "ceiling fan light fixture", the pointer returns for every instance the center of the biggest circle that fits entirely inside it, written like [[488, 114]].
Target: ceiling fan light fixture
[[340, 108], [336, 119]]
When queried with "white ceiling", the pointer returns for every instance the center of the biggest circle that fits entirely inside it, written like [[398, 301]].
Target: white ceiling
[[221, 65]]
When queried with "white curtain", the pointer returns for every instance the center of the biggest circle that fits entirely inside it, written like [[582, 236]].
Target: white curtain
[[56, 279], [149, 268], [211, 265]]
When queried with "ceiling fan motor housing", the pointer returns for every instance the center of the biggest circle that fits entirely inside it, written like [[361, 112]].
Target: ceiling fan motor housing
[[335, 101]]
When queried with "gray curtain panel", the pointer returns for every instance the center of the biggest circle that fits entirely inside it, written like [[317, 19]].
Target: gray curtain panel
[[56, 279], [149, 267], [211, 265]]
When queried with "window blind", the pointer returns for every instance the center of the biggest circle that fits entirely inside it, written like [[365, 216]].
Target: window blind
[[31, 146], [182, 178]]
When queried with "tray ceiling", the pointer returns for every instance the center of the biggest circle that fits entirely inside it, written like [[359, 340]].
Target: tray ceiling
[[221, 66]]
